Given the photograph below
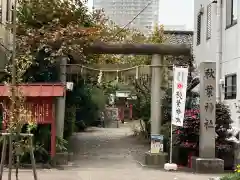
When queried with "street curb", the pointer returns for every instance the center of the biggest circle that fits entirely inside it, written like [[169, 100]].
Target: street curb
[[156, 167]]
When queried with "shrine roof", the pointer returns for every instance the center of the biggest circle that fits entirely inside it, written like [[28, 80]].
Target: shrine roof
[[35, 90]]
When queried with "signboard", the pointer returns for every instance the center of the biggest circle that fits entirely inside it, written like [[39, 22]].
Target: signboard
[[156, 143], [123, 94], [40, 111], [180, 76], [112, 114]]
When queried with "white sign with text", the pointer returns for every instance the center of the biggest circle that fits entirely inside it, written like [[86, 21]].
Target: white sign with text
[[180, 77]]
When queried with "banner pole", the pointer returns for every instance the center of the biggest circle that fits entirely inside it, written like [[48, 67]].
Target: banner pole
[[178, 107], [171, 145], [171, 135]]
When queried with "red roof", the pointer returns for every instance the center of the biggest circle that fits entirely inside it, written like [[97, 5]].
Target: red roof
[[35, 90]]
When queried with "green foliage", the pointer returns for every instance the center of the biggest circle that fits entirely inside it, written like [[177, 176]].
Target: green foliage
[[232, 176], [166, 132], [42, 70], [61, 145], [70, 121], [223, 123], [109, 87], [188, 135], [42, 135], [82, 98], [98, 97]]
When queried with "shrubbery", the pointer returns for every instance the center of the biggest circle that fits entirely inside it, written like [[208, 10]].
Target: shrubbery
[[187, 137]]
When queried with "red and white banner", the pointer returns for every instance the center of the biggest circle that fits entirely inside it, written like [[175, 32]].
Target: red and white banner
[[180, 77]]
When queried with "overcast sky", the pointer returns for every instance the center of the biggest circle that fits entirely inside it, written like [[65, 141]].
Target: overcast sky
[[174, 12]]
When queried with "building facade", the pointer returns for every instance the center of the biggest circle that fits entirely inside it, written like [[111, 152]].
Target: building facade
[[5, 33], [5, 17], [123, 11], [217, 39]]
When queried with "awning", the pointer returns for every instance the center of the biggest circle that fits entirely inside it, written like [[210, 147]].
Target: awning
[[35, 90]]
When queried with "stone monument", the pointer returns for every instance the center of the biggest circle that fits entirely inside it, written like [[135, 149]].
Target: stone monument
[[207, 162]]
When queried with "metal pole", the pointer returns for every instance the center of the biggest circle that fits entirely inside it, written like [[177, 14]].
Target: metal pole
[[219, 51], [10, 161], [3, 157], [32, 158], [171, 131], [171, 144]]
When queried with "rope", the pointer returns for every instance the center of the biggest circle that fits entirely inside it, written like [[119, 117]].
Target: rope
[[119, 70]]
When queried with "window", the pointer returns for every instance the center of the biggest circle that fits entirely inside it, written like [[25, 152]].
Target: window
[[7, 11], [209, 21], [231, 86], [12, 13], [0, 14], [231, 12], [199, 26]]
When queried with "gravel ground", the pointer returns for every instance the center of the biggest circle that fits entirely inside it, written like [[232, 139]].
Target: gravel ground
[[108, 154]]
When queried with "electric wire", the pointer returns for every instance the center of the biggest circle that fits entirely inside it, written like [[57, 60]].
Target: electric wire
[[135, 17]]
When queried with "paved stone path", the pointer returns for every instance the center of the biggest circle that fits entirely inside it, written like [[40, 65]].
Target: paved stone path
[[108, 154]]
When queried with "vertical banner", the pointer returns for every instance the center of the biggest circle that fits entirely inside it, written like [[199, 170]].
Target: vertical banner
[[156, 143], [180, 77]]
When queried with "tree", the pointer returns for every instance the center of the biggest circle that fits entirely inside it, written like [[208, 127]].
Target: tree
[[47, 30], [60, 28], [65, 28], [142, 86]]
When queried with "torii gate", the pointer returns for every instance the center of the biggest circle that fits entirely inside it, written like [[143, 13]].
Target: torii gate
[[158, 51]]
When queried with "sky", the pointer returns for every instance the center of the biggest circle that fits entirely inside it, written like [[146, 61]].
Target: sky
[[174, 13], [177, 12]]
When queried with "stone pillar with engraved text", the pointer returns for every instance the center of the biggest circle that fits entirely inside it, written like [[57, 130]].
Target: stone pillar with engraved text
[[207, 162]]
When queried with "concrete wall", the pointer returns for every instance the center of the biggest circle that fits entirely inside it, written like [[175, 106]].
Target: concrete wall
[[207, 49]]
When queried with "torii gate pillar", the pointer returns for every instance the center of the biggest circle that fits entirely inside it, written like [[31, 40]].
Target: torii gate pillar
[[156, 159]]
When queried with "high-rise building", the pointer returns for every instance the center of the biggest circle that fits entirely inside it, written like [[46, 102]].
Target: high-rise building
[[123, 11]]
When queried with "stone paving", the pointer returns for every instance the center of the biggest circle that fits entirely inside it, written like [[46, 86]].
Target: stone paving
[[107, 154]]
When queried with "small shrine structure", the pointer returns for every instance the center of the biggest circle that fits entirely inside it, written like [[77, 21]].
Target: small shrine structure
[[40, 101]]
